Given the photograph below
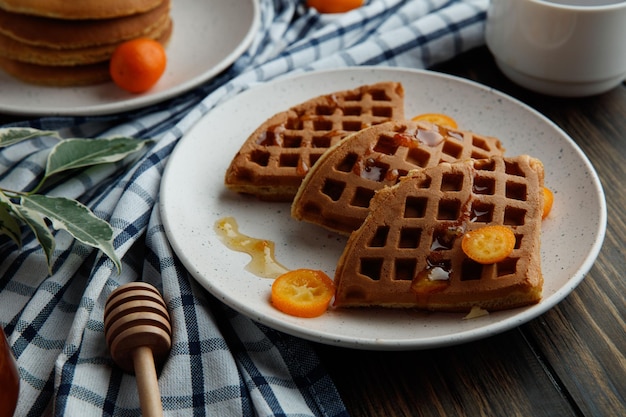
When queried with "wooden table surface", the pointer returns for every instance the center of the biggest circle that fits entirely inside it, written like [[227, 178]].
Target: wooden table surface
[[571, 361]]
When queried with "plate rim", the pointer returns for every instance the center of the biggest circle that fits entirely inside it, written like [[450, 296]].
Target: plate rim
[[139, 101], [410, 343]]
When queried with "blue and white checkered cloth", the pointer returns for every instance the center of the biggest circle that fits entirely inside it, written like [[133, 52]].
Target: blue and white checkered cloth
[[221, 363]]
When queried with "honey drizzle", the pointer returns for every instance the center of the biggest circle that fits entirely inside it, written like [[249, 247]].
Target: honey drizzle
[[263, 262]]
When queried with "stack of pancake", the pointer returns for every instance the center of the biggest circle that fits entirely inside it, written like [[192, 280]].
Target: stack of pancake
[[69, 43]]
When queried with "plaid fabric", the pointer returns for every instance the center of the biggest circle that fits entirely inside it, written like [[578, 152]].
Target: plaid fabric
[[221, 363]]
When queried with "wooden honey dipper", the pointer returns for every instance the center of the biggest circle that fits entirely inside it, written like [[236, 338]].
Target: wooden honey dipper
[[139, 335]]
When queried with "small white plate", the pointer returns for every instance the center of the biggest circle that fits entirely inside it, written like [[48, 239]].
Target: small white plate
[[193, 198], [208, 36]]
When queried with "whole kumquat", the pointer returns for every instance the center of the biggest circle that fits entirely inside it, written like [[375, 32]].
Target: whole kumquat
[[302, 292], [548, 200], [334, 6], [436, 118], [138, 64], [489, 244]]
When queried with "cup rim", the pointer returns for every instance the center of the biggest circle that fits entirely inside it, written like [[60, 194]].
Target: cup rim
[[577, 7]]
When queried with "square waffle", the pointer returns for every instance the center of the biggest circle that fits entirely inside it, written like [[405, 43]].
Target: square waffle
[[336, 193], [276, 156], [413, 234]]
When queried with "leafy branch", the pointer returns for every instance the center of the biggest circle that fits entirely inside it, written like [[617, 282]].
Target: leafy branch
[[19, 207]]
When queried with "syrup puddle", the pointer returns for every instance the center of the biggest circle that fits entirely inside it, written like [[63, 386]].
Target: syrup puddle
[[263, 262]]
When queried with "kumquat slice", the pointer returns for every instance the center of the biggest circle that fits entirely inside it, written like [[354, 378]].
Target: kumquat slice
[[436, 118], [302, 292], [548, 200], [489, 244]]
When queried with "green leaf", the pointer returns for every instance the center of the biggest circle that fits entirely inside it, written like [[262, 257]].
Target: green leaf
[[77, 219], [36, 222], [76, 153], [11, 135], [8, 224]]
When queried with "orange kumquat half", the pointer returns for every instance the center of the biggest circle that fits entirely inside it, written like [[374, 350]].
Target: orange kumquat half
[[548, 200], [302, 292], [436, 118], [489, 244]]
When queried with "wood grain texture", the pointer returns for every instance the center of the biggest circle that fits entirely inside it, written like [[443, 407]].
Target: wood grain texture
[[483, 378], [568, 362]]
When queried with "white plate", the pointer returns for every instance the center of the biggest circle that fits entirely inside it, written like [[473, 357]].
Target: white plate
[[193, 197], [208, 36]]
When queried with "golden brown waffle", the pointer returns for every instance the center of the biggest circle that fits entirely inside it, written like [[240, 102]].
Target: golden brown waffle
[[276, 156], [336, 193], [408, 251]]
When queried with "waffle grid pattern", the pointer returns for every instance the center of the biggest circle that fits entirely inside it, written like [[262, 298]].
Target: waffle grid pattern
[[420, 242], [281, 151], [348, 177]]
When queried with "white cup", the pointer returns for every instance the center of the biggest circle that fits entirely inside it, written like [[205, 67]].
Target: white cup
[[568, 48]]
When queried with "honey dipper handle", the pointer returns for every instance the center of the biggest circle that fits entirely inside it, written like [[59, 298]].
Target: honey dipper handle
[[147, 384]]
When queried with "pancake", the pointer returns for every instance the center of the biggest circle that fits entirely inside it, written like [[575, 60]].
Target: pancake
[[79, 9], [64, 76], [57, 76], [17, 51], [62, 34]]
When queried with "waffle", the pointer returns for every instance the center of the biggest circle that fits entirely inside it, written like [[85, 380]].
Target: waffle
[[413, 237], [336, 193], [276, 156]]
